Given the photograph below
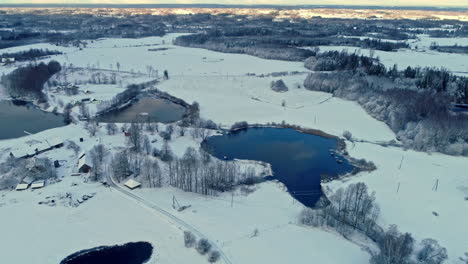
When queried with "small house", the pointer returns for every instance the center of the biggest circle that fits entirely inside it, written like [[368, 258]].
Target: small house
[[22, 187], [84, 164], [132, 184], [38, 184]]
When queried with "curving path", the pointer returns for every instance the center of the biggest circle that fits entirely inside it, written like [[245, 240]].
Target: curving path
[[174, 219]]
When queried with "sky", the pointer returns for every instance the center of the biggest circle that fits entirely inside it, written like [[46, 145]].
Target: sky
[[254, 2]]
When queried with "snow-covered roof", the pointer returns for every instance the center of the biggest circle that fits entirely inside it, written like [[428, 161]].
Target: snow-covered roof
[[28, 180], [38, 184], [132, 184], [84, 160], [30, 149], [22, 186], [19, 153], [55, 141]]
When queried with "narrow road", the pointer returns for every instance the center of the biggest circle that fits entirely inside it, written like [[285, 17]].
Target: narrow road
[[174, 219]]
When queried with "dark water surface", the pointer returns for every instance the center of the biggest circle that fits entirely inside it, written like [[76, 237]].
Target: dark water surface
[[17, 117], [158, 110], [130, 253], [298, 159]]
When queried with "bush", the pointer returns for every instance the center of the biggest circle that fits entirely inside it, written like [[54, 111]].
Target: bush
[[214, 256], [239, 125], [189, 239], [348, 135], [279, 86], [203, 246], [111, 128]]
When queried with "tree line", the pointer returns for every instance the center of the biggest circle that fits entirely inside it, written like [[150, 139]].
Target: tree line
[[30, 80], [415, 103], [354, 210], [30, 54]]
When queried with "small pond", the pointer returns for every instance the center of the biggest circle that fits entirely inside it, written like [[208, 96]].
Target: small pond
[[154, 109], [298, 160], [16, 117], [130, 253]]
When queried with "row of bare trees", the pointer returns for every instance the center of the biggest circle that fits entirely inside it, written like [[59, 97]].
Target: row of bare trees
[[354, 210]]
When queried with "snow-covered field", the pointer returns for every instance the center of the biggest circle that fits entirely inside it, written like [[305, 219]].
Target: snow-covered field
[[418, 55], [226, 94], [408, 197]]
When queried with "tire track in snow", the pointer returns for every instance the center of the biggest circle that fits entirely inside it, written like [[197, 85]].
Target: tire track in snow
[[168, 215]]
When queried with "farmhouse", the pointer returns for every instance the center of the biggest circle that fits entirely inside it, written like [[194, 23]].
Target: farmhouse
[[132, 184], [84, 164]]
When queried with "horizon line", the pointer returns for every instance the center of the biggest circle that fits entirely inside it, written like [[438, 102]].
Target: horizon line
[[241, 5]]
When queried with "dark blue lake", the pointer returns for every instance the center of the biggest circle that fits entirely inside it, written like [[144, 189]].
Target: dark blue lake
[[130, 253], [17, 117], [298, 160]]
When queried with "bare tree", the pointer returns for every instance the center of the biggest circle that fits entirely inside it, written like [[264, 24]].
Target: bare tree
[[97, 154], [111, 128], [120, 166], [151, 172], [84, 111], [213, 256], [92, 128], [203, 246], [431, 252], [189, 239], [146, 145], [135, 137]]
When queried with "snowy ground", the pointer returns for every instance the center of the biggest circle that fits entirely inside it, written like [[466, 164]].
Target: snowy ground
[[411, 205], [422, 56], [226, 95], [49, 234]]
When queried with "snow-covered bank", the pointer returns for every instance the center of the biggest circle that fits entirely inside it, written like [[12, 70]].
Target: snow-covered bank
[[426, 196], [272, 212], [251, 99]]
